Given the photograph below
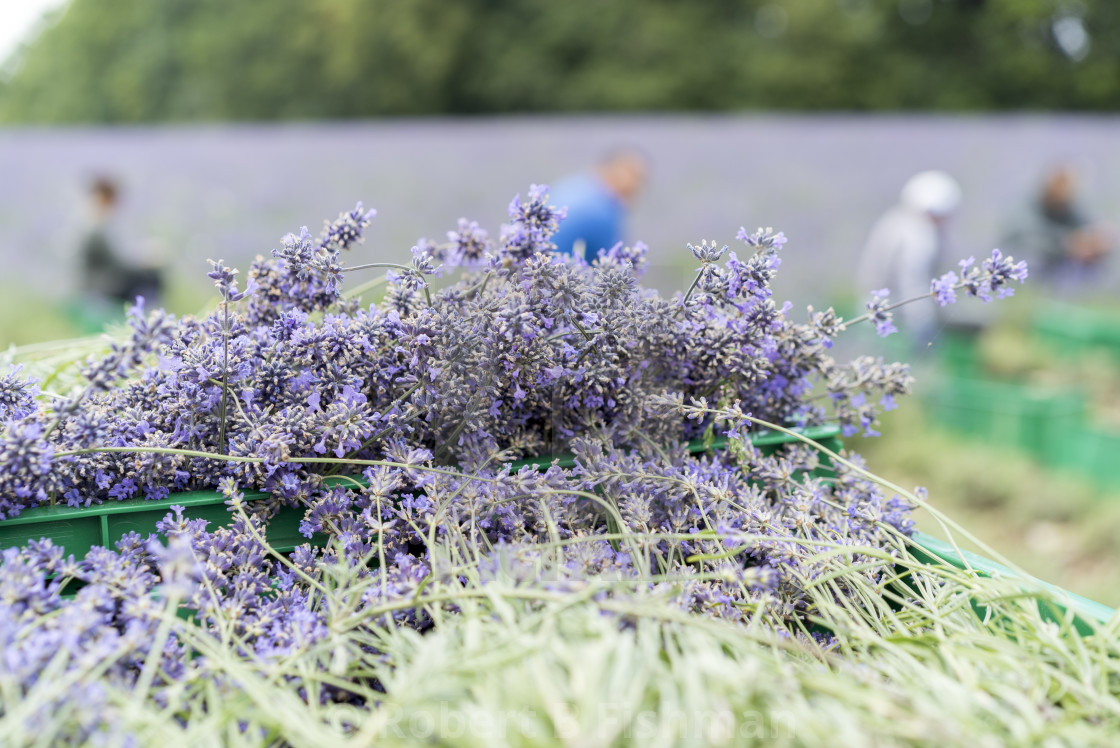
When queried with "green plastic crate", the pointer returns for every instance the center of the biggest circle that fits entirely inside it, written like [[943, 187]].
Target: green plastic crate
[[1055, 603], [1038, 420], [79, 529], [1073, 331], [1094, 453], [957, 353]]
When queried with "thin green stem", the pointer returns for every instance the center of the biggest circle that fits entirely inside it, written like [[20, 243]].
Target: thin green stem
[[584, 333], [427, 293], [254, 459], [393, 265], [892, 307], [155, 654], [478, 289], [688, 294], [367, 286], [225, 378]]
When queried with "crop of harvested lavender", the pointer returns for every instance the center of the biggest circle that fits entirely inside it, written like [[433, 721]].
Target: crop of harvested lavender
[[393, 426]]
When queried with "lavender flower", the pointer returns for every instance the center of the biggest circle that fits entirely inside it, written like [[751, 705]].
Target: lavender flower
[[298, 253], [346, 230], [992, 277], [762, 239], [17, 395], [532, 224], [27, 460], [944, 289], [470, 244], [878, 309], [999, 271], [224, 280], [707, 252]]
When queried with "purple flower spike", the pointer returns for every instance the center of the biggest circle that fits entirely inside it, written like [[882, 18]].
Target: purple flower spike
[[880, 314]]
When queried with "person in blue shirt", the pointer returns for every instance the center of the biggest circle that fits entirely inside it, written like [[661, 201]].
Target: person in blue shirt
[[597, 203]]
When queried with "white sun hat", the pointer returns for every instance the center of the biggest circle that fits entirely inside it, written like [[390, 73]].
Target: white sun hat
[[933, 192]]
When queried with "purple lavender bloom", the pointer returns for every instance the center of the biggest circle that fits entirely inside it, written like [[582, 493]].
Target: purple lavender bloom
[[297, 252], [707, 252], [991, 279], [27, 460], [750, 280], [879, 312], [346, 230], [224, 279], [944, 288], [470, 244], [17, 395], [763, 238], [636, 255], [532, 224], [971, 279], [1000, 270]]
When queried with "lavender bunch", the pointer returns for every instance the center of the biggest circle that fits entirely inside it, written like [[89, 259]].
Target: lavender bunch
[[428, 396]]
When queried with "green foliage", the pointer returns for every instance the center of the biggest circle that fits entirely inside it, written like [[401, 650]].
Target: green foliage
[[190, 60]]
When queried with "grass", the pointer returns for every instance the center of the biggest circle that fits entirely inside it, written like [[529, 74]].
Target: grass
[[28, 317]]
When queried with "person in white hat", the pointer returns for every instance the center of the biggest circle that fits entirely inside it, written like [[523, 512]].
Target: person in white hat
[[906, 245]]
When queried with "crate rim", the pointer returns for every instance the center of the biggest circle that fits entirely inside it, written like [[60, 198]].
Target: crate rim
[[35, 515], [1088, 614]]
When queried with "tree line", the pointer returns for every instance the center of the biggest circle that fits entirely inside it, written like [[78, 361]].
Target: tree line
[[119, 61]]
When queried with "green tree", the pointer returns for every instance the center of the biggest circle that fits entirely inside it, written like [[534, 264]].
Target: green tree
[[190, 60]]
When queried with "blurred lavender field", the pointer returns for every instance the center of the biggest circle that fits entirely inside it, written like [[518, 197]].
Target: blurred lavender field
[[231, 191]]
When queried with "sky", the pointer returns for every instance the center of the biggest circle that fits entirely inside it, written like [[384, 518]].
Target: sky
[[18, 19]]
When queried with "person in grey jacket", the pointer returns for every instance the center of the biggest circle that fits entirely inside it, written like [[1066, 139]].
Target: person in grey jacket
[[906, 246]]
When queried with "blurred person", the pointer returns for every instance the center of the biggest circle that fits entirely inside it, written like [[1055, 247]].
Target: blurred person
[[108, 278], [1062, 246], [598, 202], [906, 248]]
